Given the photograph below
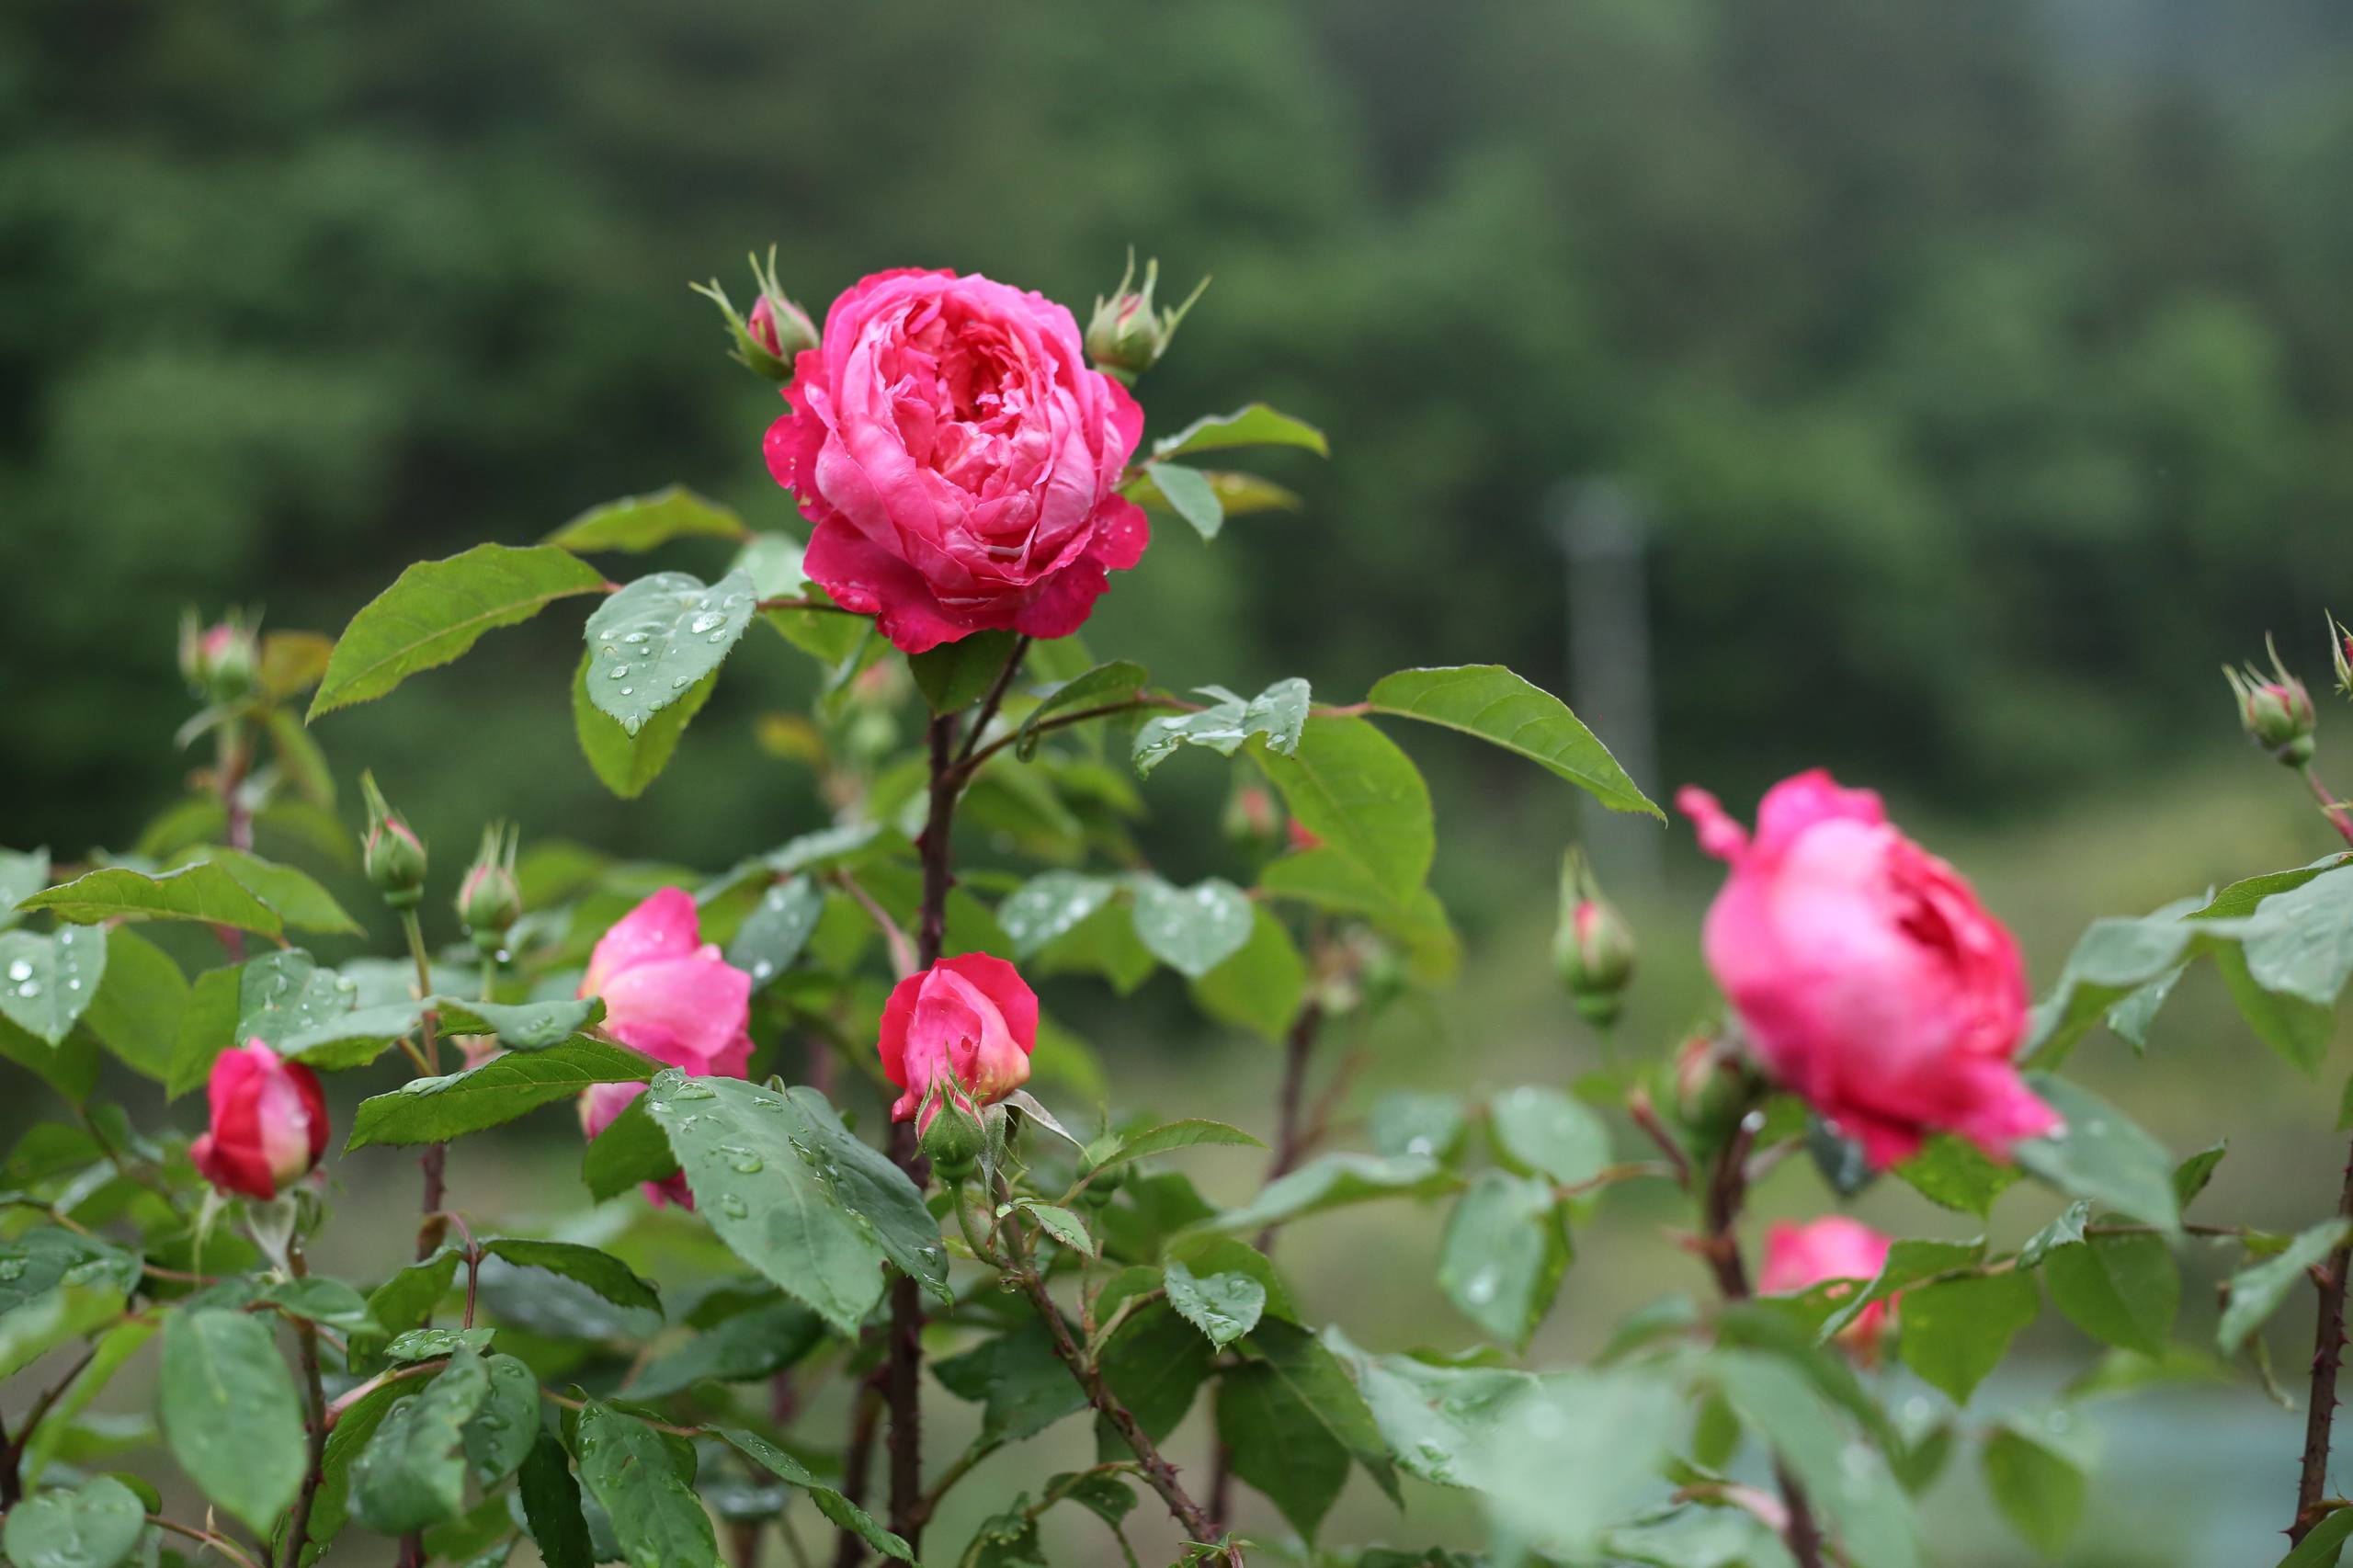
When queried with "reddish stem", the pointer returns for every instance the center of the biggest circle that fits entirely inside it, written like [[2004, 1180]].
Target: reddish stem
[[2339, 817], [2328, 1354]]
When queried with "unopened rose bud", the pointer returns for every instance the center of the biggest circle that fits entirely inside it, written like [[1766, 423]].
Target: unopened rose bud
[[2340, 650], [1712, 1087], [2276, 711], [219, 661], [1126, 337], [953, 1138], [1593, 947], [268, 1126], [776, 332], [490, 899], [1252, 823], [392, 852]]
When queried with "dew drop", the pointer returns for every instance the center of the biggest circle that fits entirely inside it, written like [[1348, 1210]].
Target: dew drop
[[29, 988], [630, 725], [1481, 1288], [732, 1206], [703, 623], [628, 690], [20, 970], [617, 671]]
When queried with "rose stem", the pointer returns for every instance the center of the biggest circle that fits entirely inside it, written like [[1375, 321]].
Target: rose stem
[[2328, 1353], [1721, 1205]]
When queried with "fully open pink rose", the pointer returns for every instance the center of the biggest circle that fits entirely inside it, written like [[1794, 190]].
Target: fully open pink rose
[[269, 1123], [959, 459], [1798, 1257], [668, 994], [966, 1024], [1870, 979]]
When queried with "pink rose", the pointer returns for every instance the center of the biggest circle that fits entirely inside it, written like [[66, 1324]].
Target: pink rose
[[967, 1024], [1870, 979], [269, 1123], [959, 459], [669, 994], [1798, 1257]]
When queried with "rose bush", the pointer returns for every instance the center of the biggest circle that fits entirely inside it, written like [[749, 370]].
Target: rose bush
[[846, 1164]]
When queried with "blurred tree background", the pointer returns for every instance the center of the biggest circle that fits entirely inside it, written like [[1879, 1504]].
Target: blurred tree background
[[1950, 346]]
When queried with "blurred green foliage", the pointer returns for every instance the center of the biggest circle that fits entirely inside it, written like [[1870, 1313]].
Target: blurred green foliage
[[1987, 367]]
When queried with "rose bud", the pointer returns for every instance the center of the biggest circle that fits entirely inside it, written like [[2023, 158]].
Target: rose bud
[[269, 1123], [1252, 824], [1711, 1087], [2340, 651], [1126, 337], [965, 1024], [220, 661], [490, 899], [1798, 1257], [2277, 714], [392, 852], [952, 1134], [1593, 946], [777, 331], [1867, 977], [671, 995], [958, 460]]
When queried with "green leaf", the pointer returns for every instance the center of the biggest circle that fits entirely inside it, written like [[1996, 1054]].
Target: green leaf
[[1435, 1418], [1542, 1131], [70, 1067], [136, 1013], [113, 1348], [1331, 1181], [1279, 713], [1278, 1446], [1569, 1457], [1954, 1173], [1061, 1224], [774, 562], [208, 1026], [1255, 424], [410, 1295], [837, 1508], [1118, 681], [1505, 1251], [320, 1300], [752, 1344], [434, 1110], [285, 995], [795, 1195], [1051, 906], [49, 980], [1865, 1509], [298, 899], [519, 1026], [1350, 786], [23, 872], [2190, 1176], [2067, 1230], [1238, 493], [659, 636], [57, 1285], [639, 523], [2255, 1292], [2299, 942], [1190, 494], [778, 928], [500, 1433], [96, 1526], [1329, 881], [1491, 702], [1406, 1122], [1909, 1261], [231, 1414], [1019, 1383], [627, 1468], [1194, 929], [437, 610], [204, 892], [434, 1343], [1168, 1135], [2325, 1545], [551, 1505], [2110, 960], [2299, 1031], [1222, 1306], [2038, 1479], [632, 1148], [1155, 1363], [602, 1272], [956, 674], [413, 1471], [2122, 1289], [624, 762], [1957, 1331], [2101, 1155], [1262, 987]]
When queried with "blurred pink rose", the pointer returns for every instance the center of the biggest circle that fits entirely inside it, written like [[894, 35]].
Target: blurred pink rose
[[967, 1023], [959, 459], [1798, 1257], [1870, 979], [269, 1123], [669, 994]]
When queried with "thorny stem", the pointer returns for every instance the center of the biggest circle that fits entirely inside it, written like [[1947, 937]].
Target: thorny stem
[[2339, 817], [903, 956], [990, 702], [431, 1231], [1721, 1202], [858, 1461], [220, 1543], [2328, 1353], [306, 1337]]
